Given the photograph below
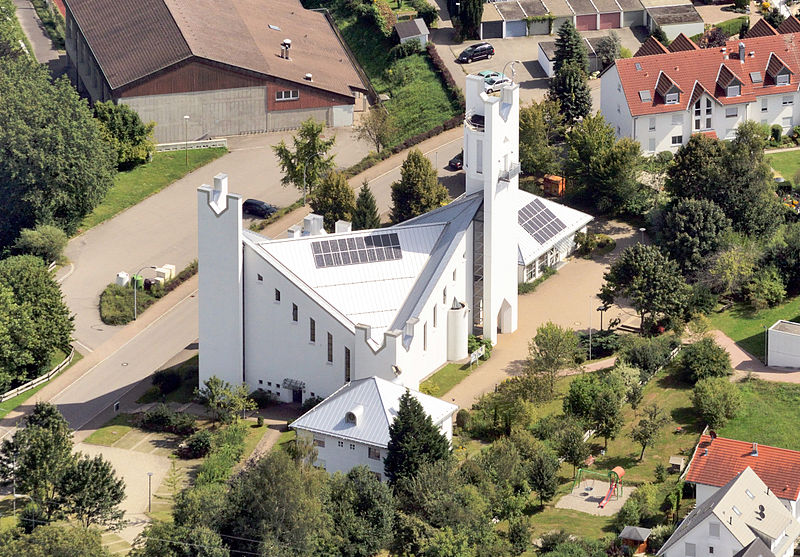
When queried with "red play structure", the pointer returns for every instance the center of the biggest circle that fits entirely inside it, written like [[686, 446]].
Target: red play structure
[[615, 482]]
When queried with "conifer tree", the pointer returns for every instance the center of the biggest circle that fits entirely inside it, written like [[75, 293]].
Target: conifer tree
[[365, 215], [570, 48], [413, 440], [569, 87], [418, 190], [334, 200]]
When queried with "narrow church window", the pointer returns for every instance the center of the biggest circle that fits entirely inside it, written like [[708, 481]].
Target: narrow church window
[[294, 312], [346, 365], [435, 316], [277, 295], [312, 331], [330, 348]]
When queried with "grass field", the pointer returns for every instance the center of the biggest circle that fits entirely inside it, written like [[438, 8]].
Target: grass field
[[446, 378], [254, 435], [135, 185], [184, 393], [769, 415], [746, 327], [58, 357], [113, 430], [787, 164]]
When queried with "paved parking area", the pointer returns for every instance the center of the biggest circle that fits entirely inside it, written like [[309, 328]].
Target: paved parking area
[[529, 74]]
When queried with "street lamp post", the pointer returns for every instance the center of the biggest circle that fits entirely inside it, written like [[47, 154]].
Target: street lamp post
[[149, 491], [513, 71], [135, 307], [641, 234], [590, 328], [602, 310], [186, 138]]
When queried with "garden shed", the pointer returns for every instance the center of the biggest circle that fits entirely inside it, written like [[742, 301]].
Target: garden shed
[[412, 29], [635, 538], [783, 344]]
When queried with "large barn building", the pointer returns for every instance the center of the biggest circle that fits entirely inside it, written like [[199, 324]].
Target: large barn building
[[231, 66]]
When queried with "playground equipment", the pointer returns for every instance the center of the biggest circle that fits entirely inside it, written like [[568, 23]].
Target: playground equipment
[[614, 478]]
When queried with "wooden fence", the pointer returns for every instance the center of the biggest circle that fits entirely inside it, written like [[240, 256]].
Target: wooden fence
[[39, 380]]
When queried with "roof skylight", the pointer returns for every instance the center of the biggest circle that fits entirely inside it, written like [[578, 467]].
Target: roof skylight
[[645, 97], [737, 511], [638, 66], [755, 77]]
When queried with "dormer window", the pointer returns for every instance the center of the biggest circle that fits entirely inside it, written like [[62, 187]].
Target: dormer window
[[734, 90], [782, 79], [350, 418], [672, 98], [354, 416]]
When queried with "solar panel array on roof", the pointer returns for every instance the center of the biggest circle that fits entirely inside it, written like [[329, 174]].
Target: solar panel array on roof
[[539, 221], [352, 251]]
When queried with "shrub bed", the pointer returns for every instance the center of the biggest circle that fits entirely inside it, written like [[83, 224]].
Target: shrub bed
[[227, 447], [161, 419]]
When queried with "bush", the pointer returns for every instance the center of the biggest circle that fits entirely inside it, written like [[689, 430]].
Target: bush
[[766, 289], [45, 241], [262, 398], [658, 536], [227, 449], [604, 343], [717, 400], [703, 359], [183, 424], [406, 49], [198, 445], [661, 472], [475, 342], [648, 354], [167, 380], [158, 418], [628, 515], [310, 403], [702, 299], [32, 516], [462, 418], [775, 133]]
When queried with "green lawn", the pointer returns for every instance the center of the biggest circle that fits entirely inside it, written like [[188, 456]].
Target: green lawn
[[112, 431], [286, 437], [787, 164], [746, 327], [58, 357], [769, 415], [254, 435], [135, 185], [446, 378], [184, 393]]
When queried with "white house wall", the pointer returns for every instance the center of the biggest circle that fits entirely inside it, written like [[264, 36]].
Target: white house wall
[[613, 105], [703, 492], [688, 29], [783, 349], [726, 544]]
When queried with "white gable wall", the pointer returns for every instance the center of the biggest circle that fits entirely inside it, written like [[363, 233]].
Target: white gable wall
[[614, 106], [700, 537], [704, 491]]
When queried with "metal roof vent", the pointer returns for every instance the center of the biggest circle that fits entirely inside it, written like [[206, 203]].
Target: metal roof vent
[[308, 77], [285, 46], [755, 450]]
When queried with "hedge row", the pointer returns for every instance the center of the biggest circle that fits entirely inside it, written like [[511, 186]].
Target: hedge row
[[11, 32], [450, 83], [227, 448]]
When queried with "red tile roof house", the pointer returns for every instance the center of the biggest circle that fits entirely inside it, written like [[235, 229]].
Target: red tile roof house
[[223, 63], [717, 461], [661, 97]]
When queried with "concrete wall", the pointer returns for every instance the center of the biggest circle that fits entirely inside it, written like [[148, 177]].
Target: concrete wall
[[222, 112], [688, 29], [783, 349]]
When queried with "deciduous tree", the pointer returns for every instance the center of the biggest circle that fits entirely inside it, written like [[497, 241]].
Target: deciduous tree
[[91, 492], [55, 165], [165, 539], [607, 416], [365, 214], [551, 350], [45, 241], [541, 126], [377, 128], [131, 138], [413, 440], [224, 401], [418, 190], [717, 400], [309, 161], [543, 468], [53, 540], [646, 431], [571, 446], [705, 358], [334, 200], [651, 281], [693, 229]]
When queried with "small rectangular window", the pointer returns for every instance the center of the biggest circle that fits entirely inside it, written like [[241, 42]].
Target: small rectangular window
[[749, 494], [259, 278], [312, 330], [733, 90], [319, 443], [330, 348], [677, 119], [652, 126], [352, 447], [764, 105], [346, 365], [479, 156], [737, 511], [444, 296], [710, 549], [788, 100], [454, 276], [672, 98], [435, 316], [713, 529], [292, 95], [277, 295], [677, 139], [783, 79], [425, 336], [690, 550], [732, 112], [374, 454], [294, 312]]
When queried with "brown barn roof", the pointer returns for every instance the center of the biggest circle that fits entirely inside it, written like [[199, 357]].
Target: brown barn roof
[[760, 29], [132, 39], [650, 47]]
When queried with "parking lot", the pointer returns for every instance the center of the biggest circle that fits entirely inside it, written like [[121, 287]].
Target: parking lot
[[529, 74]]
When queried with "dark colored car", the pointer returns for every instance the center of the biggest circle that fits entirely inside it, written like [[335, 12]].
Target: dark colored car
[[258, 208], [457, 162], [477, 51]]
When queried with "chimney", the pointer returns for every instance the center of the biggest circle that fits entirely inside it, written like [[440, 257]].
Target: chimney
[[724, 49], [726, 57], [309, 77], [755, 450], [294, 231], [285, 46], [343, 226], [312, 225], [741, 52]]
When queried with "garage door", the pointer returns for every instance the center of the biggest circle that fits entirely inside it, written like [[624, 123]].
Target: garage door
[[629, 19], [492, 30], [586, 22], [609, 21], [516, 29]]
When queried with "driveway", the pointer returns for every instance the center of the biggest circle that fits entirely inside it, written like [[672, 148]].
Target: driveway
[[163, 228], [568, 298]]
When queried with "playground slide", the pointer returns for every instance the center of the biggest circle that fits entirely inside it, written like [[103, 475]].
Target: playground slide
[[607, 498]]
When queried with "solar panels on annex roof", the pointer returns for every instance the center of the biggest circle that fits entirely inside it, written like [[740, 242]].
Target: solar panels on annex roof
[[357, 250], [539, 221]]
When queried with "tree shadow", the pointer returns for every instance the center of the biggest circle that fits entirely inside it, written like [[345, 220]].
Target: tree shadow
[[687, 418], [610, 462], [455, 183]]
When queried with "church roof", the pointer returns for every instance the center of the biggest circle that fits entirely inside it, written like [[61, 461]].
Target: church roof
[[373, 403]]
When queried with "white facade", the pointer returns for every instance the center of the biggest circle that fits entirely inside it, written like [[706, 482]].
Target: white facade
[[704, 491], [667, 131], [783, 345]]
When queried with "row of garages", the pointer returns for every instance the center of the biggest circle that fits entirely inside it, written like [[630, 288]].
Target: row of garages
[[510, 18]]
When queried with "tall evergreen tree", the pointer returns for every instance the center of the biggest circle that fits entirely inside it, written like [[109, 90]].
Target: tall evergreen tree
[[418, 190], [334, 200], [365, 215], [569, 87], [413, 440], [470, 15], [570, 48]]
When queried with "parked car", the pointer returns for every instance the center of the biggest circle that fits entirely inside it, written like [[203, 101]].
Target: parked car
[[258, 208], [477, 51], [493, 81], [457, 162]]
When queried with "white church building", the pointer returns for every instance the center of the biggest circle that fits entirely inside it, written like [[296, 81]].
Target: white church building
[[301, 316]]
